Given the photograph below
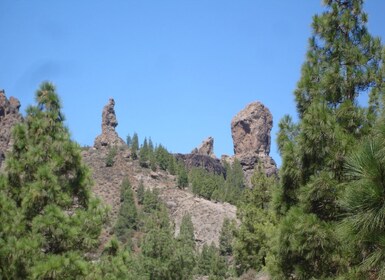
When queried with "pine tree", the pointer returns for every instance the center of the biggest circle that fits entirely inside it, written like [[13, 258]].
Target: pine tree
[[342, 63], [129, 141], [363, 229], [182, 181], [128, 217], [186, 232], [184, 256], [226, 237], [252, 239], [234, 185], [144, 154], [135, 146], [46, 189], [140, 193]]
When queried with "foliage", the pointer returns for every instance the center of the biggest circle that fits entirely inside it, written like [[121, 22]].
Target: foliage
[[204, 183], [363, 229], [140, 193], [110, 159], [45, 188], [128, 217], [234, 184], [129, 141], [134, 146], [182, 181], [342, 63], [226, 237], [211, 263], [252, 239], [144, 154]]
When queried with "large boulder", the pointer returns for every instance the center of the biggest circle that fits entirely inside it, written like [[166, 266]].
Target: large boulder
[[206, 148], [9, 116], [250, 130], [109, 136]]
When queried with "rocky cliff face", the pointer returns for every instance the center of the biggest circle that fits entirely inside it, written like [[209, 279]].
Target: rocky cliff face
[[109, 136], [9, 116], [250, 130], [202, 161], [206, 148], [203, 157], [207, 216]]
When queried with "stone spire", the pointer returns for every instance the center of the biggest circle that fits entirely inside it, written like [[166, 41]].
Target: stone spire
[[250, 130], [109, 136]]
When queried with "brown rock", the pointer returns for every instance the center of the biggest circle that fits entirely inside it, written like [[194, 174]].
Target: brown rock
[[109, 136], [250, 130], [206, 148], [211, 164], [9, 116]]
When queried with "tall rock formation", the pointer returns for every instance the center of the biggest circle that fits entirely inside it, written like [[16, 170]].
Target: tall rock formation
[[203, 157], [250, 130], [109, 136], [9, 116], [206, 148]]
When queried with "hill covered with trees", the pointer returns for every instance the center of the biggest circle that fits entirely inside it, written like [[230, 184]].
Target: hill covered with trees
[[132, 210]]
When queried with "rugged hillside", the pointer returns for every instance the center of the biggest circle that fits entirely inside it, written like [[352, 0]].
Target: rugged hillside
[[207, 216], [251, 135]]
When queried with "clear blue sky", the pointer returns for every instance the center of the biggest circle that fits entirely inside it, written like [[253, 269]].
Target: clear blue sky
[[178, 70]]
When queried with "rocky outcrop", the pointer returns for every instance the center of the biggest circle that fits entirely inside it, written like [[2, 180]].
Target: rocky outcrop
[[9, 116], [250, 130], [206, 148], [212, 165], [207, 216], [109, 136]]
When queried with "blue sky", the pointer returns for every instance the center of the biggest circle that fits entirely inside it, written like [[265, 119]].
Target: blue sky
[[178, 70]]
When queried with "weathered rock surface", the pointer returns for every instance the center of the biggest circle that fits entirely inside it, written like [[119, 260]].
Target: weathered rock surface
[[250, 130], [9, 116], [206, 148], [109, 136], [207, 216], [204, 161]]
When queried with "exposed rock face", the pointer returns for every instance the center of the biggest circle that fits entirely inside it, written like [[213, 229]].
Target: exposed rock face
[[207, 216], [9, 116], [250, 130], [197, 160], [109, 137], [206, 148]]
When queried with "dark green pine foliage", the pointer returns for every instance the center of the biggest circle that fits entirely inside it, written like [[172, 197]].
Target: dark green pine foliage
[[163, 256], [158, 245], [211, 263], [226, 237], [363, 229], [182, 179], [129, 141], [48, 218], [184, 254], [162, 157], [140, 193], [134, 146], [127, 221], [232, 190], [342, 64], [206, 184], [251, 244], [144, 154]]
